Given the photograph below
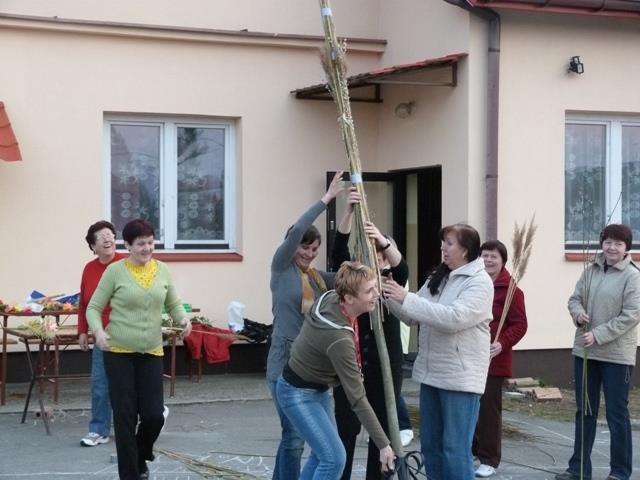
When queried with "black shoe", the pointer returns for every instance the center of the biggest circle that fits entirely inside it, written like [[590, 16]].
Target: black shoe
[[144, 472]]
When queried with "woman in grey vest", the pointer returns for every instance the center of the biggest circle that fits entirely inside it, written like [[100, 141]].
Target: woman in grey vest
[[295, 285]]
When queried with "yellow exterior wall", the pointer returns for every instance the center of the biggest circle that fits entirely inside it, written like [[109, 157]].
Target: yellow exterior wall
[[535, 93], [56, 92], [60, 84], [358, 17], [65, 77]]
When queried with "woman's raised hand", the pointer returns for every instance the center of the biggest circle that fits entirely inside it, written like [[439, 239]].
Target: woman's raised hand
[[392, 289], [353, 198], [334, 188], [374, 234]]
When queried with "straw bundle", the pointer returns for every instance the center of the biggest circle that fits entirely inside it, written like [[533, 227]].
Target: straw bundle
[[333, 62], [206, 470], [44, 328], [522, 244]]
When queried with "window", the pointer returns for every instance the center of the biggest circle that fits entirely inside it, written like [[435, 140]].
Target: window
[[175, 173], [602, 177]]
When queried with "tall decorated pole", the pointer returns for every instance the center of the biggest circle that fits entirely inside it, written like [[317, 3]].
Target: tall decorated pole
[[333, 62]]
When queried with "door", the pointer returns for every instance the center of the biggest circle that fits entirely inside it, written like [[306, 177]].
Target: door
[[407, 204], [386, 197]]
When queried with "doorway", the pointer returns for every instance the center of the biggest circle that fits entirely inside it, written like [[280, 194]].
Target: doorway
[[407, 204]]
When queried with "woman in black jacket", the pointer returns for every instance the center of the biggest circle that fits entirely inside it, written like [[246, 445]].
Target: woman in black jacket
[[391, 263]]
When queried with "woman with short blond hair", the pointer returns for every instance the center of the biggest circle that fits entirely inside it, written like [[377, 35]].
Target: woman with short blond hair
[[326, 354]]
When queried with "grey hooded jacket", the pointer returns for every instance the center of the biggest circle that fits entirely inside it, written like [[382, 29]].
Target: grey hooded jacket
[[612, 300]]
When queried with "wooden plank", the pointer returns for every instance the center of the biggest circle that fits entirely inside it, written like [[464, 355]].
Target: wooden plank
[[548, 394], [525, 390], [515, 383]]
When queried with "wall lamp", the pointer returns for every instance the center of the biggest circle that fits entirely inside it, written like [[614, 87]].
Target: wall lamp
[[403, 110], [576, 66]]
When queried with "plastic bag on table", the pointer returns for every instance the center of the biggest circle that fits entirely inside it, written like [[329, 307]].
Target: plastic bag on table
[[235, 314]]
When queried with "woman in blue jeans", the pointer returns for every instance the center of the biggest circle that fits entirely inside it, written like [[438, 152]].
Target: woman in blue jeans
[[326, 353], [453, 310], [101, 238], [295, 285], [605, 308]]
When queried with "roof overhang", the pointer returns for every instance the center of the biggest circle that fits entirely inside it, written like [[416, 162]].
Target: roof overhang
[[603, 8], [9, 149], [365, 87]]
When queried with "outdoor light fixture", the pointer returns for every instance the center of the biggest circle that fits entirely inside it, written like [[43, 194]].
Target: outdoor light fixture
[[576, 66], [403, 110]]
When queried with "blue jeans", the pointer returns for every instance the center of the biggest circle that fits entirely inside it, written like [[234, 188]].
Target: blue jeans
[[100, 404], [291, 445], [311, 412], [447, 422], [615, 380]]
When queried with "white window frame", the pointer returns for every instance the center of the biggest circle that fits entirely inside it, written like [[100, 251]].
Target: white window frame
[[168, 177], [613, 156]]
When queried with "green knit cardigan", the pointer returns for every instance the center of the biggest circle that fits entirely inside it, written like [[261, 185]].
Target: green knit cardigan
[[135, 322]]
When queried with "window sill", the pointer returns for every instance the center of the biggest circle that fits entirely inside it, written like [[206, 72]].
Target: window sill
[[581, 257], [197, 257]]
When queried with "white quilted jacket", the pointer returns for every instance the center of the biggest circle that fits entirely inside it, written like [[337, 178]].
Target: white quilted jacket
[[453, 346]]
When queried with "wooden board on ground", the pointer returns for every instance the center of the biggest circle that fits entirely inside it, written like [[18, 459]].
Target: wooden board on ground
[[515, 383], [549, 394], [526, 390]]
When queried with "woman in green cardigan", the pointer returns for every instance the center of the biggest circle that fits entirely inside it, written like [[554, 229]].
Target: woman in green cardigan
[[137, 288]]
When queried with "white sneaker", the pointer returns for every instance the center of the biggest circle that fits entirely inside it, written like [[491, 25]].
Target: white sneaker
[[485, 471], [165, 414], [406, 436], [92, 439]]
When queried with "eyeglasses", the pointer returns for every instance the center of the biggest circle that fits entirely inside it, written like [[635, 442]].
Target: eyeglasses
[[106, 237]]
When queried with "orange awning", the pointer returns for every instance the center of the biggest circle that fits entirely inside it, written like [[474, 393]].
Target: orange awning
[[9, 149]]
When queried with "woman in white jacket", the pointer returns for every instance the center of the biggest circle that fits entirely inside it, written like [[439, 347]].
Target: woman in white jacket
[[453, 309]]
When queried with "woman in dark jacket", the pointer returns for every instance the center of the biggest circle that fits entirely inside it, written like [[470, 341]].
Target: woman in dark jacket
[[391, 262], [487, 441]]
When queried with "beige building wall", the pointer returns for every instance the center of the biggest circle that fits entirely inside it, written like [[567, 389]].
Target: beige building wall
[[61, 84], [57, 91], [360, 18], [64, 78], [421, 29], [535, 93]]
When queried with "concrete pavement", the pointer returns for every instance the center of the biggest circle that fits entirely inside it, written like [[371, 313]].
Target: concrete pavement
[[229, 420]]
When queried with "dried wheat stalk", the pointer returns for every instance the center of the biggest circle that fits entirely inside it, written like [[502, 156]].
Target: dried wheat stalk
[[207, 470], [522, 245]]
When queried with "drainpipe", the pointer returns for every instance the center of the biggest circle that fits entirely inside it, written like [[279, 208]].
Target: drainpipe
[[493, 91]]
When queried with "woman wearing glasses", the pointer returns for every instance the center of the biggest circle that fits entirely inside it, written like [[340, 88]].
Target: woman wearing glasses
[[101, 238]]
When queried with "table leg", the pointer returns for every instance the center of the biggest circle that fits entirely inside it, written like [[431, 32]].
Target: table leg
[[3, 371], [32, 382], [172, 381], [43, 414], [56, 369]]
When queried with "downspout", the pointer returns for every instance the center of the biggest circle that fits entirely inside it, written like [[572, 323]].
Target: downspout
[[493, 95]]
